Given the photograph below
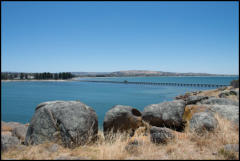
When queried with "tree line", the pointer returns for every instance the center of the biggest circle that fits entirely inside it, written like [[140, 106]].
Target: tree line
[[38, 76], [64, 75]]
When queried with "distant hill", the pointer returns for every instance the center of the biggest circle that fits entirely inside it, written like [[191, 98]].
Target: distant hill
[[89, 73], [134, 73]]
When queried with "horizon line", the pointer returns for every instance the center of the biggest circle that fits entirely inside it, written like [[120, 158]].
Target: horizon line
[[118, 71]]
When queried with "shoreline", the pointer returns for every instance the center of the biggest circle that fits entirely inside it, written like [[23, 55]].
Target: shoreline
[[84, 77], [34, 80]]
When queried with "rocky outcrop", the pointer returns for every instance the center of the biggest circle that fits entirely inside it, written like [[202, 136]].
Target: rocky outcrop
[[121, 118], [186, 95], [226, 93], [219, 101], [160, 135], [167, 114], [202, 121], [14, 129], [72, 122], [195, 99]]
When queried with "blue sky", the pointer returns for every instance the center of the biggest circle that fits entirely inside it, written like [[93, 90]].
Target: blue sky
[[112, 36]]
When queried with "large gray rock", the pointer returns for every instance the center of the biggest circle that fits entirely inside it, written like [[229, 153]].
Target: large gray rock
[[202, 121], [72, 122], [121, 118], [230, 112], [160, 135], [167, 114], [219, 101], [8, 142]]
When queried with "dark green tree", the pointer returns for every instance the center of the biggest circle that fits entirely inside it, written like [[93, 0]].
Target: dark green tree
[[21, 75]]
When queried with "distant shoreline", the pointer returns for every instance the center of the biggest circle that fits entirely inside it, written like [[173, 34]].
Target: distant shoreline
[[35, 80], [84, 77]]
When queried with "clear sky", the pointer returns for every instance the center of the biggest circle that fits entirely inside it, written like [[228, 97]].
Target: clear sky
[[112, 36]]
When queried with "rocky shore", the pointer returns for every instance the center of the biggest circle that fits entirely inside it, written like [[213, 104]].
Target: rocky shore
[[196, 125]]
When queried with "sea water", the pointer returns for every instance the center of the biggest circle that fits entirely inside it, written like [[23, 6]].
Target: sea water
[[19, 99]]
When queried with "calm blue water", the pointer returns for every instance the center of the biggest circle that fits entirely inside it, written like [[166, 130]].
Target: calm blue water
[[19, 99]]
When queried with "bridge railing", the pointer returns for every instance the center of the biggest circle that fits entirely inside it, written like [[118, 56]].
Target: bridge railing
[[158, 83]]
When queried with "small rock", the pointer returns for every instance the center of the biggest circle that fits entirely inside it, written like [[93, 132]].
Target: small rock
[[71, 158], [6, 133], [53, 148], [8, 142], [161, 135], [20, 132], [20, 147], [195, 99], [234, 92], [222, 88], [13, 125], [224, 94], [231, 147], [132, 146]]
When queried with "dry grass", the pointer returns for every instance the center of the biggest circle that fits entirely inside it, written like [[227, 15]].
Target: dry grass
[[185, 146], [6, 128]]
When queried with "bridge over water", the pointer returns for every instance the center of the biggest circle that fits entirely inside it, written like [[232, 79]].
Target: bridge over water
[[157, 84]]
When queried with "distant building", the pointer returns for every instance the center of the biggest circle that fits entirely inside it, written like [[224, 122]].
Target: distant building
[[30, 77]]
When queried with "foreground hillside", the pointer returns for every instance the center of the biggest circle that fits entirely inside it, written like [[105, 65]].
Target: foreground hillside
[[185, 146], [219, 143]]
